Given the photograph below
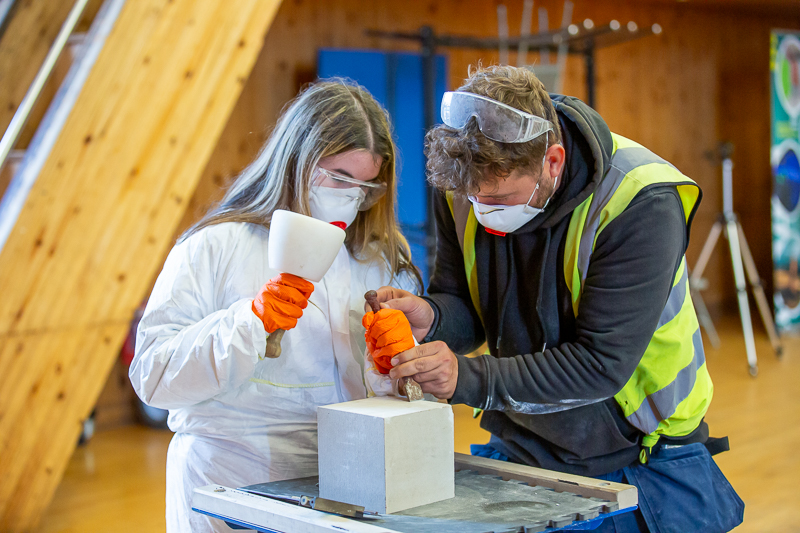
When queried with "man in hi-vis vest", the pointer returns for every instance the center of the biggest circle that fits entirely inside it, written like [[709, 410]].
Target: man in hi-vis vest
[[561, 245]]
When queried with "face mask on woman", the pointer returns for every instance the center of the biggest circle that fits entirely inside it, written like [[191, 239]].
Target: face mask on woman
[[337, 198], [337, 206]]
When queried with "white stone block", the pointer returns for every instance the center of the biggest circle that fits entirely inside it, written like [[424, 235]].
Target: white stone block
[[385, 453]]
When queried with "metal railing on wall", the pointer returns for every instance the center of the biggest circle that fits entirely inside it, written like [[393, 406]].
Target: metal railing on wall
[[25, 107], [50, 127], [7, 8]]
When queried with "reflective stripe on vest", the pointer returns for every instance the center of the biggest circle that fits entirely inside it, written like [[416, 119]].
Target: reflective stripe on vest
[[466, 226], [670, 390]]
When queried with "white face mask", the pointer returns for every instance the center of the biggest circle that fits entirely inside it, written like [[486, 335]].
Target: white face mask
[[337, 206], [507, 218]]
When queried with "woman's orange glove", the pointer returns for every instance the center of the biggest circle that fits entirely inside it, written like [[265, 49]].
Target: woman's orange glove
[[281, 302], [388, 333]]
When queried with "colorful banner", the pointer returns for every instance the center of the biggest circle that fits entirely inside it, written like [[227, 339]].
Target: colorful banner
[[785, 157]]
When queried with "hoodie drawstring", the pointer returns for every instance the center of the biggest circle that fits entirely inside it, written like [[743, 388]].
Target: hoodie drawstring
[[541, 286], [512, 272]]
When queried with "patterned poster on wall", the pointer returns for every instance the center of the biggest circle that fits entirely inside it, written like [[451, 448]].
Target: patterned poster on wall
[[785, 157]]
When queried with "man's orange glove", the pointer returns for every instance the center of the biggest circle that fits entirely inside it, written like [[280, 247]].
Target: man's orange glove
[[388, 333], [281, 302]]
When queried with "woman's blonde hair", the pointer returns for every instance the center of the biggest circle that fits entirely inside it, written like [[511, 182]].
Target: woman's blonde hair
[[330, 117]]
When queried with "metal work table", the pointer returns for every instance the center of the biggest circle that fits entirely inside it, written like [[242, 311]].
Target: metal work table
[[491, 496]]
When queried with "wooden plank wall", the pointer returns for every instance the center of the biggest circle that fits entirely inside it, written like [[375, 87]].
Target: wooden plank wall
[[705, 79], [99, 220], [702, 80]]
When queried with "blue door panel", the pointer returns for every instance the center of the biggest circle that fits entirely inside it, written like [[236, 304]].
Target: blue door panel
[[395, 80]]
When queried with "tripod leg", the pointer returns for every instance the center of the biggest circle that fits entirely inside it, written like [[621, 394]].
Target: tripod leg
[[695, 283], [758, 292], [705, 319], [741, 291], [705, 254]]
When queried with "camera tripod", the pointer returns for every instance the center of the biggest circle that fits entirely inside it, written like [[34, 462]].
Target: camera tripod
[[742, 261]]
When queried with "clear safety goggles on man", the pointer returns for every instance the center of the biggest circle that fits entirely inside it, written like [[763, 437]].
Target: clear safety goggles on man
[[496, 120], [372, 190], [503, 123]]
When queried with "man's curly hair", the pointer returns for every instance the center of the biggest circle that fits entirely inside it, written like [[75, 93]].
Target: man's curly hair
[[462, 160]]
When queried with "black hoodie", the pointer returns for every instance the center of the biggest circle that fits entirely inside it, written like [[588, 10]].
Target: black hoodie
[[548, 382]]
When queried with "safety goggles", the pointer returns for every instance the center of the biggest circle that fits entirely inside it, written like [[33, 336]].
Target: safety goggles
[[496, 120], [373, 190]]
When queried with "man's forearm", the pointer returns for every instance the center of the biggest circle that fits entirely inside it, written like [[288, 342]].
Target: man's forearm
[[626, 287], [456, 323], [561, 378]]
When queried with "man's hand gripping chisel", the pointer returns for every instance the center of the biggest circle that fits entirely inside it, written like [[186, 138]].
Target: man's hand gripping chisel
[[411, 388]]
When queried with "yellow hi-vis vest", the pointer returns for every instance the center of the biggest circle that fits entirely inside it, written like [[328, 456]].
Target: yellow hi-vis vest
[[670, 390]]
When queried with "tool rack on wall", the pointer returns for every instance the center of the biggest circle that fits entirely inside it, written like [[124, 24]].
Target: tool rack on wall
[[584, 40]]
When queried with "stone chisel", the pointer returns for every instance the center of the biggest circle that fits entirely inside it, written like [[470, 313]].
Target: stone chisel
[[411, 388]]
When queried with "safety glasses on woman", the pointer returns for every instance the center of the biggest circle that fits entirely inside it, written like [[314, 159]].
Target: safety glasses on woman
[[336, 198]]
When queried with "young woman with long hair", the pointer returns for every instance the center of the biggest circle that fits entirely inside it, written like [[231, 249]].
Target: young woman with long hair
[[240, 418]]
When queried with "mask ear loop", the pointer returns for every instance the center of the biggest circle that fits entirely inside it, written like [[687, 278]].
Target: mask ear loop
[[544, 160], [528, 204]]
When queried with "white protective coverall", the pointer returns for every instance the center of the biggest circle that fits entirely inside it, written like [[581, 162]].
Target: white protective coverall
[[239, 418]]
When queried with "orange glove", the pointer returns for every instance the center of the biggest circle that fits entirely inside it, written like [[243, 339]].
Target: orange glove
[[388, 333], [281, 302]]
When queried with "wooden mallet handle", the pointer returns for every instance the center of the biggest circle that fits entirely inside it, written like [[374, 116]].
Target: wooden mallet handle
[[273, 349], [274, 344]]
